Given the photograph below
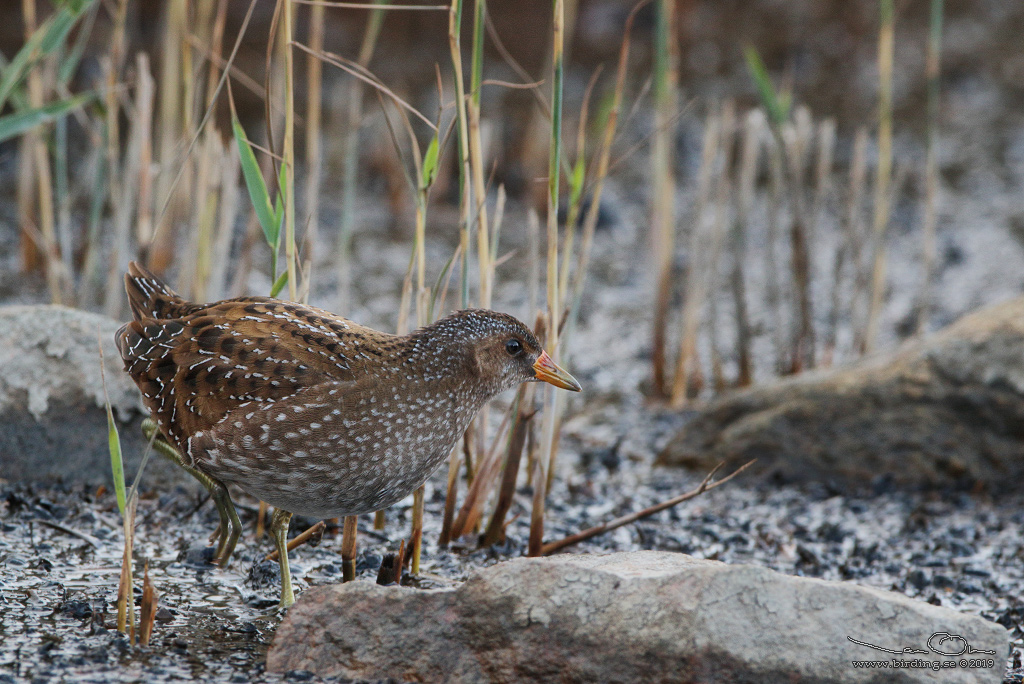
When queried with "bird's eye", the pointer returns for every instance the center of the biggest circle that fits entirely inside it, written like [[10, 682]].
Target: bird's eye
[[514, 347]]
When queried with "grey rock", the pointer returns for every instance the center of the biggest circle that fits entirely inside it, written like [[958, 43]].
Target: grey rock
[[947, 411], [644, 616], [53, 421]]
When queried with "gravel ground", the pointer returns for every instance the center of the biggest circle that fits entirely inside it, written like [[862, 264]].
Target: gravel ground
[[58, 588]]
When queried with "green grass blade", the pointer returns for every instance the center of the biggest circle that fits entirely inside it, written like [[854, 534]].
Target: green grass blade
[[576, 182], [51, 34], [256, 186], [13, 125], [279, 284], [429, 164], [776, 105], [116, 463]]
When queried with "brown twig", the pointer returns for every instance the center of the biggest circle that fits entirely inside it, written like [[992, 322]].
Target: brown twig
[[74, 533], [301, 539], [705, 486]]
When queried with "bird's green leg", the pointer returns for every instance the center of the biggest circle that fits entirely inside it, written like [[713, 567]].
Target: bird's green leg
[[279, 530], [230, 526]]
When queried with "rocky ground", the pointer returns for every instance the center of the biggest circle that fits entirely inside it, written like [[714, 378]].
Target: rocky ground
[[61, 549]]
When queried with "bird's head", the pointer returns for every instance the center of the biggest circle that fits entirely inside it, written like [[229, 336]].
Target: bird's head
[[501, 351]]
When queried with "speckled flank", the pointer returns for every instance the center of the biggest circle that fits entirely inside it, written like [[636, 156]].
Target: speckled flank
[[306, 410]]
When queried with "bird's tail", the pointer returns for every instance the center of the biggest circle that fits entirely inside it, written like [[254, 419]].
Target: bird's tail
[[149, 297]]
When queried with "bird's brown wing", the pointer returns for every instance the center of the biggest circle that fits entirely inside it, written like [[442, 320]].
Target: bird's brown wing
[[195, 370]]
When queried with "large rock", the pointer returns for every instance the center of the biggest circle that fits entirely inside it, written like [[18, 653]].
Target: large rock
[[945, 411], [53, 421], [627, 617]]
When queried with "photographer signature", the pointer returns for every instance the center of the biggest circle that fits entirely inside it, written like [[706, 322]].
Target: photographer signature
[[942, 643]]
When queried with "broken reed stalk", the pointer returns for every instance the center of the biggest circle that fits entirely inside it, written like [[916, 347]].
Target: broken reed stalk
[[416, 540], [706, 485], [391, 566], [692, 299], [147, 609], [348, 548], [663, 210], [931, 173], [125, 598], [883, 176], [313, 534], [753, 127]]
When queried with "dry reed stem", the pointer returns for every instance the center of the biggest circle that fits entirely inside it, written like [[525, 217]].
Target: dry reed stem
[[348, 548], [168, 194], [144, 104], [931, 173], [416, 540], [753, 127], [795, 139], [291, 257], [706, 485], [719, 231], [536, 543], [125, 599], [883, 176], [693, 298], [448, 517], [229, 206], [826, 143], [773, 288], [476, 160], [147, 609], [455, 48], [851, 250], [314, 95], [663, 211], [36, 144], [490, 464]]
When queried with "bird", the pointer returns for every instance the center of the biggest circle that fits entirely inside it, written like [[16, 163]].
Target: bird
[[308, 411]]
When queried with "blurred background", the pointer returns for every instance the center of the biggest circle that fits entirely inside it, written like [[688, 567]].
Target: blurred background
[[118, 145]]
